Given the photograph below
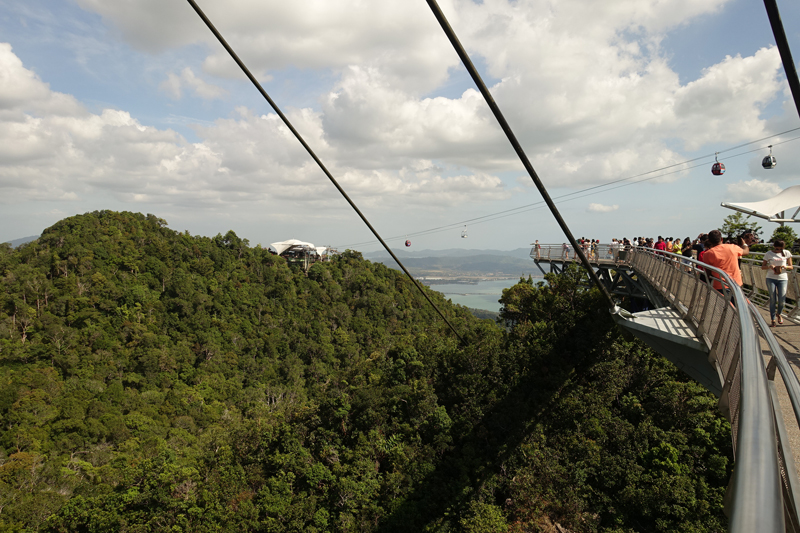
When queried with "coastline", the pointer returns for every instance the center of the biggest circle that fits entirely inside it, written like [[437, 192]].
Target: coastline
[[465, 280]]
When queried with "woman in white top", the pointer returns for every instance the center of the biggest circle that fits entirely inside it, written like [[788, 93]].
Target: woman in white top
[[776, 262]]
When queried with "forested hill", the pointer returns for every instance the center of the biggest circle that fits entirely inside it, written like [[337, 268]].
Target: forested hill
[[155, 381]]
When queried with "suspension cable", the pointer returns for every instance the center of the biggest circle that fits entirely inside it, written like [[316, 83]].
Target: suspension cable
[[784, 50], [297, 135], [573, 195], [517, 148]]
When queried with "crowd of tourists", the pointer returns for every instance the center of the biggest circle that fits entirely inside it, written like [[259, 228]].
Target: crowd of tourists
[[711, 249]]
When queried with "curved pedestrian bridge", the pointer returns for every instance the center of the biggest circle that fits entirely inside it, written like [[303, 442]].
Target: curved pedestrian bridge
[[721, 339]]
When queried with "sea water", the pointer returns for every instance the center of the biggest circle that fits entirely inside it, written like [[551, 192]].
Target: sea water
[[482, 295]]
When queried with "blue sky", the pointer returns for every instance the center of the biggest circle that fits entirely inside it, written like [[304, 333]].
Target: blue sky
[[133, 106]]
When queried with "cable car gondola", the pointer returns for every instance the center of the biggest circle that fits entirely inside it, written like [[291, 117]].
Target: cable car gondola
[[769, 161], [718, 169], [464, 232], [408, 243]]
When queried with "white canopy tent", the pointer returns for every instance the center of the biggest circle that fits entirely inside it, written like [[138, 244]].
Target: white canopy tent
[[285, 246], [774, 209]]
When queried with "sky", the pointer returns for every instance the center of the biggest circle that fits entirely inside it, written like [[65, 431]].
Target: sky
[[132, 105]]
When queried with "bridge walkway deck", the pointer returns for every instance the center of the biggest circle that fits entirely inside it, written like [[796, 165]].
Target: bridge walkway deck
[[788, 336]]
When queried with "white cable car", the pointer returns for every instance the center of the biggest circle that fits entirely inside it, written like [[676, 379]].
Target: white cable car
[[464, 232], [769, 161]]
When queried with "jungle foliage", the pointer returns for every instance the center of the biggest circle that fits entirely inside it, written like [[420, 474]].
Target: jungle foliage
[[151, 380]]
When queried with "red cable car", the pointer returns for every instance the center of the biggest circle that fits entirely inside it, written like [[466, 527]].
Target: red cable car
[[718, 169], [408, 243]]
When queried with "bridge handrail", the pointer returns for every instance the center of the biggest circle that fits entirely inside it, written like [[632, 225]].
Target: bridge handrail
[[779, 362], [757, 484], [782, 365], [764, 489], [556, 252]]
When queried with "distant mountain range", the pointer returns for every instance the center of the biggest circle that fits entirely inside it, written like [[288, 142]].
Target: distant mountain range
[[519, 253], [23, 240], [455, 263]]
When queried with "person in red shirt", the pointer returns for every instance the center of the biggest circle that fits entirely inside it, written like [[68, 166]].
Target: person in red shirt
[[725, 257], [660, 245]]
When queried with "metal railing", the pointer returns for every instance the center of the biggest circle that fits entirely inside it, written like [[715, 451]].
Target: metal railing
[[755, 285], [764, 490], [595, 254], [722, 318]]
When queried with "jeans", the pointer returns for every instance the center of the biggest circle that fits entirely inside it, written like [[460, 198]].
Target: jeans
[[777, 295]]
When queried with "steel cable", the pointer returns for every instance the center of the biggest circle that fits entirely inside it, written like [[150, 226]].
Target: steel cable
[[302, 141], [573, 195], [476, 77]]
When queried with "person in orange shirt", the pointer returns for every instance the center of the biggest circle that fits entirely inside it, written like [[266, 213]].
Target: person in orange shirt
[[725, 257]]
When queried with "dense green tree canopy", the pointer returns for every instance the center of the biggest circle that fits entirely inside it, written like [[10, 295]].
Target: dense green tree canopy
[[152, 380], [784, 233]]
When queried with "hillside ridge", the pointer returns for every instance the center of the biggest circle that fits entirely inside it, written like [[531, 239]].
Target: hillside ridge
[[154, 380]]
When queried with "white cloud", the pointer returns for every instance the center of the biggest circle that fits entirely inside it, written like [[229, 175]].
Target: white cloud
[[751, 190], [273, 34], [727, 101], [374, 123], [600, 208], [172, 86], [175, 84], [22, 90], [17, 84], [573, 98], [243, 159], [585, 85], [150, 25]]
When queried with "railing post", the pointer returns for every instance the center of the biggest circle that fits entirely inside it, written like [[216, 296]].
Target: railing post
[[709, 286], [673, 282], [712, 354], [793, 313], [664, 275], [724, 404], [695, 297], [675, 285]]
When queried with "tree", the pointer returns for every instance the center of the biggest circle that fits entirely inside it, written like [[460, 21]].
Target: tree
[[735, 224], [152, 380], [784, 233]]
